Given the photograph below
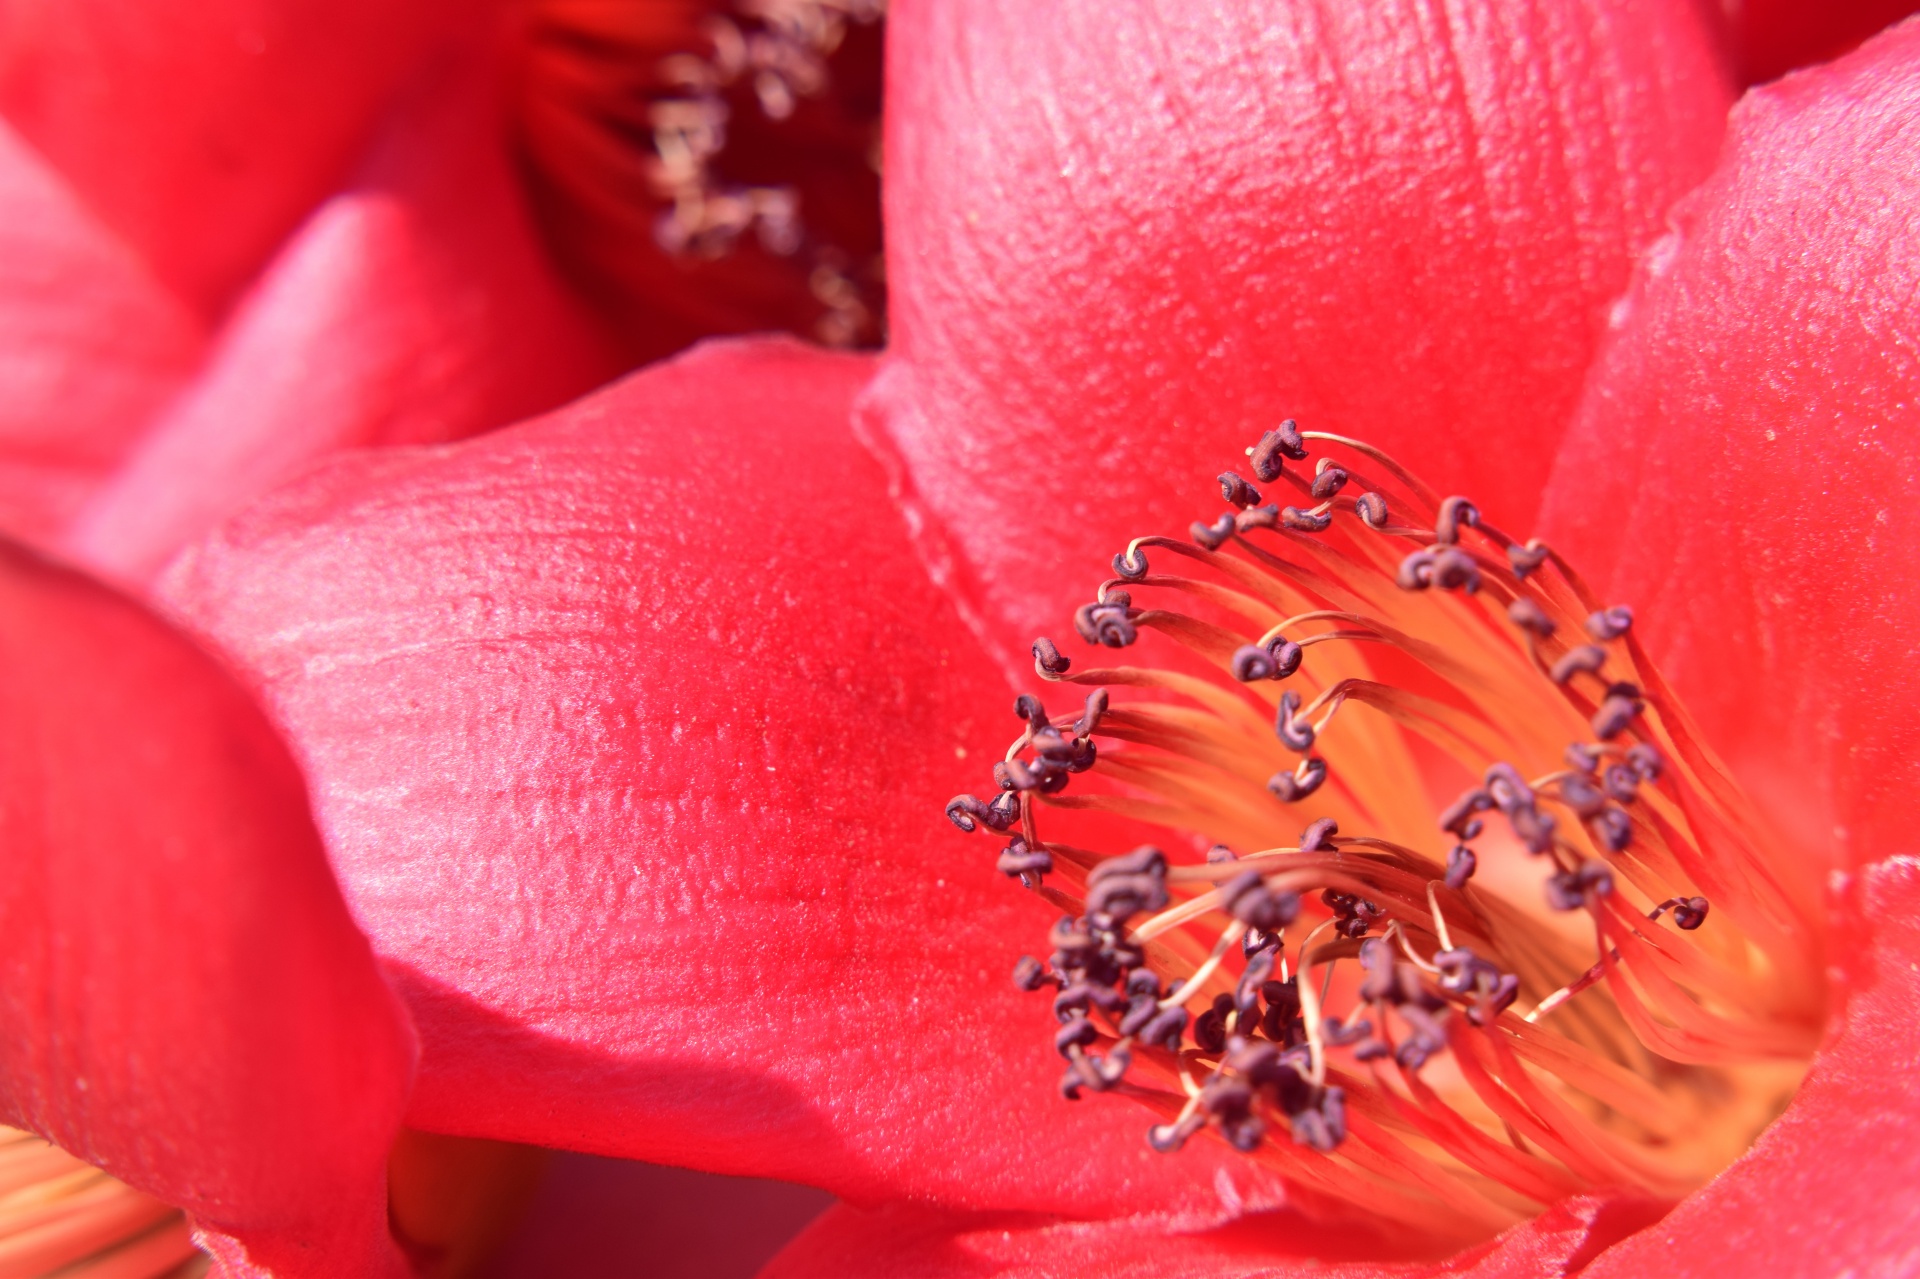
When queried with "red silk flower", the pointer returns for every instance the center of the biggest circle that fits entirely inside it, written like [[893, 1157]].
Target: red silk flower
[[625, 731]]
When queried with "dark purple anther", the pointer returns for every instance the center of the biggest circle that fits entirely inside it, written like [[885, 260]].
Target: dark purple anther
[[1028, 974], [1017, 860], [1048, 659], [1329, 482], [1645, 760], [1212, 536], [1461, 863], [1318, 838], [1091, 715], [1613, 717], [1454, 512], [1529, 616], [1528, 558], [1291, 787], [1237, 492], [1257, 517], [1586, 659], [1372, 510], [1130, 564], [1296, 734], [1610, 623], [1028, 707], [1304, 521], [1248, 899]]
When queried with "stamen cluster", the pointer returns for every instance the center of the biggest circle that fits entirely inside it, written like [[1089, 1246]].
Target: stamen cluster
[[1176, 981]]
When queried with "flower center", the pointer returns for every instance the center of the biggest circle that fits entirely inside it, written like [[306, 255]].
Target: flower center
[[710, 166], [1447, 913]]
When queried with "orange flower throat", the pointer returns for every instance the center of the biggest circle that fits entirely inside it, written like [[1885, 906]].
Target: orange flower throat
[[1593, 969]]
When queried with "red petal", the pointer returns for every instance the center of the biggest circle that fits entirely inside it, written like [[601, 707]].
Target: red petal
[[1832, 1188], [630, 733], [92, 345], [1772, 37], [203, 129], [187, 1003], [1124, 238], [416, 306], [1746, 466], [848, 1243]]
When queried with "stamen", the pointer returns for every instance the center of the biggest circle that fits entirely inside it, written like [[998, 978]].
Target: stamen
[[1586, 793]]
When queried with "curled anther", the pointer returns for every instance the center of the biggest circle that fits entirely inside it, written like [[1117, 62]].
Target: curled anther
[[1621, 782], [1454, 513], [1646, 761], [1614, 715], [1257, 517], [1278, 658], [1372, 510], [1305, 521], [1235, 491], [1569, 889], [1443, 568], [969, 814], [1612, 829], [1107, 621], [1529, 616], [1028, 707], [1688, 912], [1528, 558], [1461, 863], [1282, 441], [1328, 480], [1248, 899], [1610, 623], [1458, 818], [1301, 782], [1091, 715], [1020, 861], [1586, 659], [1030, 974], [1318, 838], [1014, 775], [1212, 536], [1048, 661], [1130, 563], [1292, 728]]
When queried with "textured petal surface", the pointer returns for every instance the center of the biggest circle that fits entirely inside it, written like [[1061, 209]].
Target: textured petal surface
[[1831, 1189], [415, 306], [202, 130], [630, 732], [91, 345], [186, 1003], [1123, 238], [1746, 466]]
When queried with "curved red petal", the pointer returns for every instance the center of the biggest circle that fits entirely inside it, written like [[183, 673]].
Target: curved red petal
[[91, 346], [1746, 464], [201, 130], [187, 1003], [1827, 1190], [898, 1239], [1124, 238], [416, 306], [1772, 37], [630, 732]]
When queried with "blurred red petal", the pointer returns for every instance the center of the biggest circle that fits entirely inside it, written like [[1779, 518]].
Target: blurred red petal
[[91, 345], [1829, 1189], [1745, 469], [1124, 238], [187, 1003], [416, 306], [1772, 37], [202, 130], [630, 732]]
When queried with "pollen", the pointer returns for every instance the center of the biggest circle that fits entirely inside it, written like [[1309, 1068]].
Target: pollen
[[1394, 864], [710, 166]]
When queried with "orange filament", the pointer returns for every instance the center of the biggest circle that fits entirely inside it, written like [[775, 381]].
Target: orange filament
[[1596, 969], [710, 166], [58, 1214]]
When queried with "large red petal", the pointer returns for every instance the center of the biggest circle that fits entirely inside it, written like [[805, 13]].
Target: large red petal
[[187, 1003], [1746, 466], [1125, 237], [1834, 1187], [91, 345], [630, 732], [850, 1243], [202, 130], [416, 306]]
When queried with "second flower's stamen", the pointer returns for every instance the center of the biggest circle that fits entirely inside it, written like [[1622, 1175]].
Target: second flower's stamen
[[1421, 1040]]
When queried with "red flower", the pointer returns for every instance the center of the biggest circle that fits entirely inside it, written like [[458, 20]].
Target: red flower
[[626, 728]]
